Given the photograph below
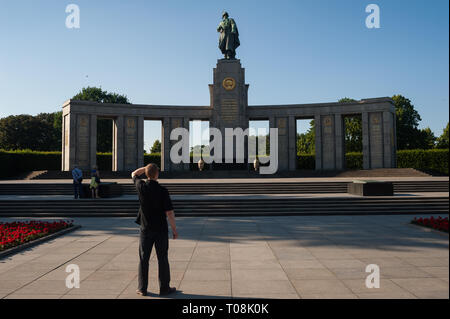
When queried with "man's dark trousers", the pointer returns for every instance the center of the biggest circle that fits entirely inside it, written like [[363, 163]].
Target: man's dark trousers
[[161, 242], [78, 190]]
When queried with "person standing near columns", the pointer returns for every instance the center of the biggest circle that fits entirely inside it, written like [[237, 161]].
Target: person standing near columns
[[77, 176], [95, 182], [154, 211]]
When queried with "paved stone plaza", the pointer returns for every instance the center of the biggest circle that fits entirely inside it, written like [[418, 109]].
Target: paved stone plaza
[[252, 257]]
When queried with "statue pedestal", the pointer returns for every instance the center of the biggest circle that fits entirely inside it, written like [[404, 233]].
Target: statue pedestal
[[229, 99], [229, 95]]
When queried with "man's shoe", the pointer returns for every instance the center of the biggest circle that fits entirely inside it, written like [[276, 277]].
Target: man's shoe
[[167, 292], [141, 293]]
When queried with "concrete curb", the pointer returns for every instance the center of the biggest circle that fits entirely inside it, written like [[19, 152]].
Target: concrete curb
[[38, 241], [429, 229]]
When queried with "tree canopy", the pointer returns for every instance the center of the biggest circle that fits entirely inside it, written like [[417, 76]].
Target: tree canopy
[[156, 148], [104, 126], [30, 132], [352, 130], [442, 141], [96, 94], [42, 132], [407, 121], [306, 141], [409, 136]]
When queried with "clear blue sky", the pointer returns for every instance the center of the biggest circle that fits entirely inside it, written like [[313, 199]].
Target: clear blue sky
[[163, 52]]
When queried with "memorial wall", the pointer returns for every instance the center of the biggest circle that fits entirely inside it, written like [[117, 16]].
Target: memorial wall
[[229, 109]]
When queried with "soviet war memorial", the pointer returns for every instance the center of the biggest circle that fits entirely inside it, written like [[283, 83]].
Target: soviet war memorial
[[296, 158]]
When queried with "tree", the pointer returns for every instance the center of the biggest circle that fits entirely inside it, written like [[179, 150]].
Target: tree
[[57, 122], [407, 121], [353, 130], [353, 134], [156, 148], [30, 132], [425, 139], [104, 126], [306, 141], [50, 124], [442, 141], [95, 94], [409, 136]]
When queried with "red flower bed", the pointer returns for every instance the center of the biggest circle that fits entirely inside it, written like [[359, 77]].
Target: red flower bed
[[435, 223], [17, 233]]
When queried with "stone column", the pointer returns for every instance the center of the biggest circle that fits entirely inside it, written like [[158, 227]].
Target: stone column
[[130, 143], [379, 145], [140, 141], [93, 141], [292, 143], [365, 140], [118, 147], [318, 141], [69, 133], [186, 126], [394, 116], [328, 142], [79, 141], [283, 143], [376, 140], [82, 147], [340, 143], [272, 124], [165, 144], [176, 122], [389, 140]]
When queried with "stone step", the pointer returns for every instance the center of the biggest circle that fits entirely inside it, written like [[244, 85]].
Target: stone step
[[235, 207], [380, 172], [229, 188]]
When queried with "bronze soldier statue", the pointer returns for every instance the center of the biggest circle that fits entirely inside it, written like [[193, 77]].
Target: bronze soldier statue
[[229, 37]]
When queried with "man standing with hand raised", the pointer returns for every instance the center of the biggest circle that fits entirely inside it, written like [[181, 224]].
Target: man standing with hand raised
[[154, 211]]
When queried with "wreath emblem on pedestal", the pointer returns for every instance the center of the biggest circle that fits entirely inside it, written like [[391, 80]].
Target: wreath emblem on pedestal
[[229, 83]]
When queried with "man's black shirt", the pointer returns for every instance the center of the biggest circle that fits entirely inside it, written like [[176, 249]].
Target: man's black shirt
[[154, 201]]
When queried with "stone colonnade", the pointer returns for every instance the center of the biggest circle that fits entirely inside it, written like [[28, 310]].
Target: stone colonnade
[[229, 108], [378, 126]]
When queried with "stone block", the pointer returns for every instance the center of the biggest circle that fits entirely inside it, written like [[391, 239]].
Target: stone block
[[370, 188]]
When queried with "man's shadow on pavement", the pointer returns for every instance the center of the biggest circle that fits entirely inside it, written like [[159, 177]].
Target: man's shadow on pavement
[[180, 295]]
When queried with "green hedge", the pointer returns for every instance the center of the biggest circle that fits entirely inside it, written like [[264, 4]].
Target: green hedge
[[306, 161], [354, 160], [433, 161], [104, 161], [13, 163], [16, 162], [154, 158]]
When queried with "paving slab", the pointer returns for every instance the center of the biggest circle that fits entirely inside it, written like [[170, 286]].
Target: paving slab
[[232, 257]]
